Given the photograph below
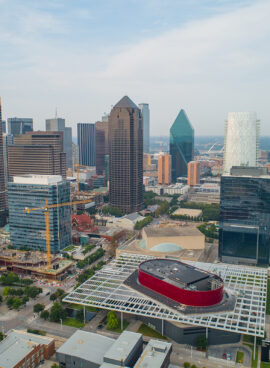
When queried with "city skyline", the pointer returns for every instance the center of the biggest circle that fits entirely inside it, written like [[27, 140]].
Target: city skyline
[[206, 57]]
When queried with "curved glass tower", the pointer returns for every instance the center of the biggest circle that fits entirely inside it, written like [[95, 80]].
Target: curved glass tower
[[241, 140], [181, 145]]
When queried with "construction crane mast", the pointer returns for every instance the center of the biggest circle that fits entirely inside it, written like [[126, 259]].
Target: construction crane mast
[[46, 210], [77, 165]]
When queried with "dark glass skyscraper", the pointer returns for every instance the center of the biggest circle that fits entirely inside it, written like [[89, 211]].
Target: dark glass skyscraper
[[181, 145], [17, 126], [126, 156], [86, 134], [244, 235]]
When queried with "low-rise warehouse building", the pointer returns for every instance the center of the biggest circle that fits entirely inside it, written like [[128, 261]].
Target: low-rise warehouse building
[[25, 350], [90, 350]]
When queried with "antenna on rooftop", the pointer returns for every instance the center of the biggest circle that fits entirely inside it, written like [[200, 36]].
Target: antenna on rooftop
[[56, 113]]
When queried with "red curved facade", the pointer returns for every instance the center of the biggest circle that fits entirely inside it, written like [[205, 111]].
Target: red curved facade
[[183, 296]]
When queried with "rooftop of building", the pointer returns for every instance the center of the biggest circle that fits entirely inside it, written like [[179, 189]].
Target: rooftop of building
[[87, 345], [171, 230], [154, 354], [123, 346], [37, 179], [17, 345], [134, 217], [249, 172], [179, 274], [187, 212], [126, 102]]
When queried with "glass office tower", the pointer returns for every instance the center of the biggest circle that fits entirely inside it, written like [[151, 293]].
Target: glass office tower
[[181, 145], [17, 126], [244, 235], [86, 135], [28, 230]]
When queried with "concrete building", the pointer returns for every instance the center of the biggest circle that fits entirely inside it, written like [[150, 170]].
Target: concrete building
[[164, 168], [129, 221], [37, 153], [59, 125], [181, 145], [241, 140], [75, 153], [144, 107], [21, 349], [90, 350], [193, 173], [126, 156], [171, 237], [28, 230], [3, 203], [86, 135], [18, 126]]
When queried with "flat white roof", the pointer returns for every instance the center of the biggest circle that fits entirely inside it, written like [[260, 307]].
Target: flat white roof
[[106, 290], [37, 179]]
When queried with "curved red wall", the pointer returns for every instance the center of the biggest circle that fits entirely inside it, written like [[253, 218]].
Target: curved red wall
[[187, 297]]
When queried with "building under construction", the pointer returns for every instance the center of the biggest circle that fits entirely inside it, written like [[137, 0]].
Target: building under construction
[[34, 264], [28, 230]]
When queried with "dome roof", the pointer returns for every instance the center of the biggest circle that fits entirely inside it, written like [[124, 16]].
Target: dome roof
[[166, 247]]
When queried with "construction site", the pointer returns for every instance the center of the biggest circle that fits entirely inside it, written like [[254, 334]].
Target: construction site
[[34, 264]]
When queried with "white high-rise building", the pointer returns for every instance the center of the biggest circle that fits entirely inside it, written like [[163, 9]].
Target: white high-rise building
[[144, 107], [241, 140]]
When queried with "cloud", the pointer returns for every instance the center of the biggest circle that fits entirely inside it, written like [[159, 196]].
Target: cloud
[[208, 67]]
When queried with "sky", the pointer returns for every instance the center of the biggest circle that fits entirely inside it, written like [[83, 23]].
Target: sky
[[82, 56]]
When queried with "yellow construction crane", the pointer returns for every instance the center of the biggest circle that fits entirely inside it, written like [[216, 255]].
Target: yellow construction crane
[[77, 165], [219, 160], [46, 209]]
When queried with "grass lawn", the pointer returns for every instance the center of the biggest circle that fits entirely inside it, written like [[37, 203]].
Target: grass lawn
[[78, 307], [239, 357], [69, 248], [118, 328], [148, 331], [248, 338], [72, 322], [265, 365], [254, 361]]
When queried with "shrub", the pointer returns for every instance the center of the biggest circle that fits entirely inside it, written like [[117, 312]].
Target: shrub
[[186, 365]]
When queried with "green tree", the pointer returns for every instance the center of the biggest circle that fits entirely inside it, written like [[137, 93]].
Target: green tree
[[53, 297], [45, 314], [37, 308], [11, 278], [25, 299], [1, 336], [6, 290], [186, 365], [17, 302], [54, 365], [9, 302], [32, 291], [1, 299], [201, 342], [57, 312], [193, 366], [112, 321], [110, 210]]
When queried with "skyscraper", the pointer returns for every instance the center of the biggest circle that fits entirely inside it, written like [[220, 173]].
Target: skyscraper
[[59, 125], [193, 173], [2, 177], [86, 134], [28, 230], [8, 140], [102, 145], [37, 153], [164, 168], [126, 156], [241, 140], [144, 107], [17, 126], [181, 145], [244, 235]]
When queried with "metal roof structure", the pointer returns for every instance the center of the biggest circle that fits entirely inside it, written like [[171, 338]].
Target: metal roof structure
[[106, 290]]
